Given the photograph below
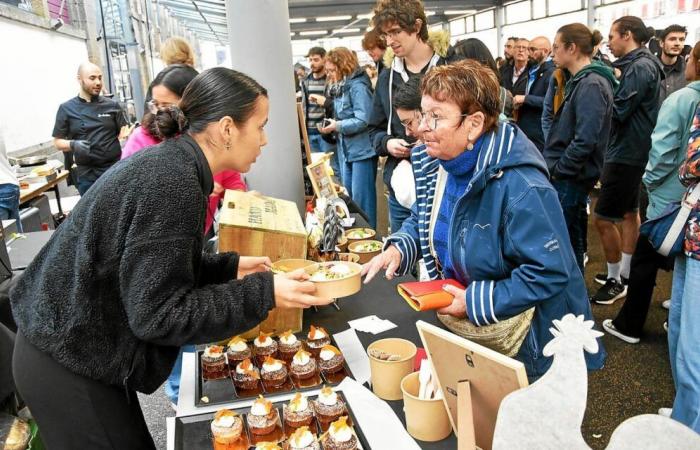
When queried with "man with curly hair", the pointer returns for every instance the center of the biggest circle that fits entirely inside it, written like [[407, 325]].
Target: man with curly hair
[[403, 26]]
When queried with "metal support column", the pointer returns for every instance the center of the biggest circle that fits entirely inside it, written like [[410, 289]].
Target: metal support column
[[258, 31]]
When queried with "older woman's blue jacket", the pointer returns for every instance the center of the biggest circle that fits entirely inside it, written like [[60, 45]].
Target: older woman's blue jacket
[[509, 245]]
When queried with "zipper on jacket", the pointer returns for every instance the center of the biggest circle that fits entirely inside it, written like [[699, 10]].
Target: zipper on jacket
[[125, 381]]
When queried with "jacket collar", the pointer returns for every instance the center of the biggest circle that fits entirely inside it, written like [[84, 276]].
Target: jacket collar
[[206, 179], [398, 66]]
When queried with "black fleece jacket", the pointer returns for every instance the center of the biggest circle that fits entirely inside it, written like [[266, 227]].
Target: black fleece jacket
[[123, 283]]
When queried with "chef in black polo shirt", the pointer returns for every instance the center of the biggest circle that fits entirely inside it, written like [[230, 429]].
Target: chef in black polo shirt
[[90, 126]]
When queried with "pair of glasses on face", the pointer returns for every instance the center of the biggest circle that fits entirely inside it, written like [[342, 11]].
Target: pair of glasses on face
[[432, 120], [154, 106], [393, 33]]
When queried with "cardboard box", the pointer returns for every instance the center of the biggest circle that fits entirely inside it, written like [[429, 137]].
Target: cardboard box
[[254, 225]]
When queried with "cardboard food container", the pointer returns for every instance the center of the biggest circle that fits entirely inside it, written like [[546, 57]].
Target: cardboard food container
[[343, 243], [341, 287], [365, 256], [349, 257], [426, 419], [386, 374], [367, 233], [292, 264]]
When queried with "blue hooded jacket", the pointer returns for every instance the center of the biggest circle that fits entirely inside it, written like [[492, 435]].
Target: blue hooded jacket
[[509, 241], [352, 110]]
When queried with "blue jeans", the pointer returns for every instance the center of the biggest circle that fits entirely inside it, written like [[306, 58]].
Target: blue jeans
[[684, 341], [397, 213], [318, 145], [9, 203], [172, 386], [83, 185], [359, 178], [574, 199]]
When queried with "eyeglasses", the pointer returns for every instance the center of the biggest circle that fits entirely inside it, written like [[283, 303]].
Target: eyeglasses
[[393, 33], [408, 123], [154, 106], [431, 119]]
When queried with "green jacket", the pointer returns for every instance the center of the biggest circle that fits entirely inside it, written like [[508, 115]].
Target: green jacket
[[668, 145]]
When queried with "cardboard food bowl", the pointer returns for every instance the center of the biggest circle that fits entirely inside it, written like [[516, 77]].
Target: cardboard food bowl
[[387, 375], [290, 265], [426, 419], [365, 256], [342, 287], [343, 243], [369, 234], [349, 257]]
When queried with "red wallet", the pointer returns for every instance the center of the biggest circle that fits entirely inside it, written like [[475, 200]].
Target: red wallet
[[427, 295]]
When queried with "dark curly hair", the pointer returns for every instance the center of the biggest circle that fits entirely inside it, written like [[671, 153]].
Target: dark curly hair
[[402, 12]]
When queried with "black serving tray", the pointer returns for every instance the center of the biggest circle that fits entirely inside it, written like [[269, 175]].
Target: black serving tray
[[194, 432], [223, 391]]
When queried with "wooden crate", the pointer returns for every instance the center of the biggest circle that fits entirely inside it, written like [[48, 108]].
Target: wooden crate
[[253, 225]]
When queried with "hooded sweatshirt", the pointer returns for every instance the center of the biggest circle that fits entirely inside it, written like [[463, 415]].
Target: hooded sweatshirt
[[578, 138], [636, 108]]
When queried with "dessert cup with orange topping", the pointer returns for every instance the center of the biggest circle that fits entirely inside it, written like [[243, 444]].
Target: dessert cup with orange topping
[[328, 406], [246, 375], [288, 345], [227, 431], [316, 339], [236, 351], [330, 359], [298, 412], [262, 418], [273, 372], [340, 436], [302, 439], [214, 365], [264, 346]]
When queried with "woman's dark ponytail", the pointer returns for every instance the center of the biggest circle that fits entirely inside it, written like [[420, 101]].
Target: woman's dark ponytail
[[170, 122], [581, 36]]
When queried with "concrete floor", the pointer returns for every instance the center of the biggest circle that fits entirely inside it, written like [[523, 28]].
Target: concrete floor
[[636, 379]]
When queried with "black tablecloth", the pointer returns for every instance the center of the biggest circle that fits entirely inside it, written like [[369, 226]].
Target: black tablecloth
[[379, 298]]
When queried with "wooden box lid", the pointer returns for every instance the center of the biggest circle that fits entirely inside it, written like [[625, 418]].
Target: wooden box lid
[[254, 211]]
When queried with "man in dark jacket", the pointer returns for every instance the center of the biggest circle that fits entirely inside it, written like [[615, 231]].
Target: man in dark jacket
[[530, 104], [403, 26], [508, 49], [515, 76], [671, 41], [88, 128], [634, 116]]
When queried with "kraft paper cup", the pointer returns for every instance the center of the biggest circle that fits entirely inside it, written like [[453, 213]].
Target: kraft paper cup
[[426, 420], [387, 375]]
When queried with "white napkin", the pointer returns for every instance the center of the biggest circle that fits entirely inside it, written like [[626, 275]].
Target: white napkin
[[354, 353], [372, 324], [378, 422]]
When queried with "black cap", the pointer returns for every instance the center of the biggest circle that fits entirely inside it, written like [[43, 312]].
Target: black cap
[[317, 51]]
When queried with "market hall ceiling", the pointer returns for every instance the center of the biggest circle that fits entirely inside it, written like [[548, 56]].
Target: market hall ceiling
[[207, 18]]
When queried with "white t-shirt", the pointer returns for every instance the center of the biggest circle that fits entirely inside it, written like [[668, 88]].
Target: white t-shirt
[[7, 175]]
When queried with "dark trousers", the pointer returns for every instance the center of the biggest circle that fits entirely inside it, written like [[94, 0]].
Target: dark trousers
[[574, 200], [643, 268], [75, 412]]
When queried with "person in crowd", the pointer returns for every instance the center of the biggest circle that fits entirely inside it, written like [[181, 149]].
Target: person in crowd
[[9, 189], [683, 324], [668, 152], [473, 48], [634, 116], [372, 73], [499, 63], [498, 210], [314, 97], [672, 41], [167, 89], [137, 286], [176, 50], [402, 24], [352, 106], [578, 139], [88, 127], [529, 104], [375, 47], [554, 98], [508, 52], [515, 77]]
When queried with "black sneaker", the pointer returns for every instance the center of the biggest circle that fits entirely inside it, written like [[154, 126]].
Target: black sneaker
[[602, 278], [611, 291]]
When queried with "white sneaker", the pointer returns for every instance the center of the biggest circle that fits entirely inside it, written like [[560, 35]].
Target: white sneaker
[[610, 328], [665, 412], [666, 304]]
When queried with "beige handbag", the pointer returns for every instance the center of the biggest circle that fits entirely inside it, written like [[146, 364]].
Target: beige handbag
[[505, 336]]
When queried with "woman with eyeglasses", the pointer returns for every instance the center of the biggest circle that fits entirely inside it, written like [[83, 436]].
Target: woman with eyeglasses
[[495, 224], [353, 105]]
